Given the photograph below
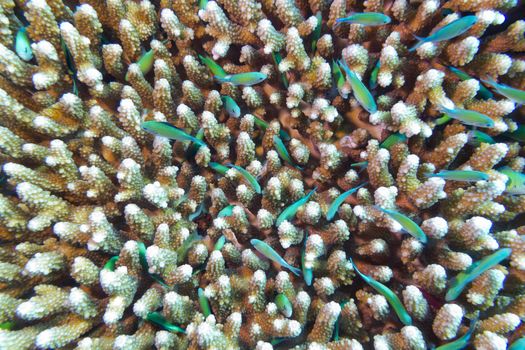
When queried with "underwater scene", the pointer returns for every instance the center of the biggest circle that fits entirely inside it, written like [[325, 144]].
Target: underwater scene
[[262, 174]]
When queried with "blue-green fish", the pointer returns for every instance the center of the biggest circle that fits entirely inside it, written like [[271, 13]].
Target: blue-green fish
[[518, 134], [511, 93], [361, 93], [226, 211], [476, 138], [392, 140], [23, 45], [283, 304], [338, 78], [332, 210], [374, 74], [244, 79], [221, 169], [271, 254], [361, 165], [308, 273], [197, 212], [202, 4], [317, 31], [215, 69], [231, 106], [277, 60], [516, 181], [111, 263], [169, 131], [408, 225], [283, 152], [249, 177], [264, 125], [365, 19], [220, 243], [290, 211], [468, 117], [476, 269], [462, 341], [194, 147], [460, 175], [518, 344], [483, 92], [145, 63], [161, 321], [450, 31], [204, 303], [390, 296]]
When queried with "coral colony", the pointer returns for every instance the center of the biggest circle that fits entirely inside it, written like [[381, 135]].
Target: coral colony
[[262, 174]]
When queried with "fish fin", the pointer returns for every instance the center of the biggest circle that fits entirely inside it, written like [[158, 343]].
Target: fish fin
[[420, 42], [429, 175], [295, 271], [489, 81], [221, 80]]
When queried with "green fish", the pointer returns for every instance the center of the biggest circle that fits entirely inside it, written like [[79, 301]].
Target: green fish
[[145, 266], [194, 147], [197, 212], [460, 175], [226, 211], [290, 211], [361, 93], [221, 169], [462, 341], [308, 273], [374, 74], [264, 125], [450, 31], [271, 254], [338, 78], [277, 60], [283, 152], [161, 321], [463, 278], [145, 63], [169, 131], [110, 264], [317, 31], [365, 19], [443, 120], [7, 325], [23, 45], [468, 117], [244, 79], [204, 303], [408, 225], [518, 344], [215, 69], [476, 138], [182, 251], [202, 4], [332, 210], [390, 296], [249, 177], [231, 106], [361, 165], [518, 134], [392, 140], [283, 304], [220, 243], [516, 182], [483, 92], [511, 93]]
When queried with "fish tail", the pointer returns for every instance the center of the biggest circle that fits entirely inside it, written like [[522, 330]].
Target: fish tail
[[295, 271], [420, 42]]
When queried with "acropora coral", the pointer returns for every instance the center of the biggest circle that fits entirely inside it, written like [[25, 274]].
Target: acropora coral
[[118, 236]]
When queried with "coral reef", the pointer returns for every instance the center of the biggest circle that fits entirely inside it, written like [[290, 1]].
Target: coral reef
[[239, 231]]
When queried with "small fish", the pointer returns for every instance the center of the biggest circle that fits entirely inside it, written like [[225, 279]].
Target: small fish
[[161, 321], [221, 169], [516, 181], [511, 93], [460, 175], [182, 251], [264, 125], [169, 131], [271, 254], [338, 78], [308, 273], [145, 63], [220, 243], [450, 31], [283, 304], [390, 296], [277, 341], [317, 31], [277, 60], [23, 45], [462, 341], [518, 134], [249, 177], [197, 212], [290, 211], [8, 325], [408, 225], [110, 264], [374, 74], [366, 19], [204, 303], [483, 92], [194, 147], [518, 344], [468, 117], [476, 138], [332, 210], [283, 152], [215, 69], [226, 211], [392, 140], [361, 93], [142, 256], [463, 278], [244, 79], [231, 106], [361, 165]]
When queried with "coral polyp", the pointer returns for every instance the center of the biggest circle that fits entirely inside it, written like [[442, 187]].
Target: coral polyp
[[274, 174]]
